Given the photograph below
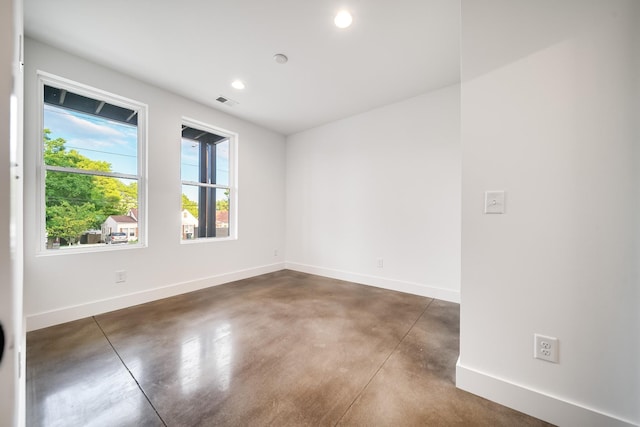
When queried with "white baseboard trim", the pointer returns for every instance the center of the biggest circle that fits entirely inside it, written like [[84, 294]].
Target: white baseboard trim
[[532, 402], [380, 282], [67, 314]]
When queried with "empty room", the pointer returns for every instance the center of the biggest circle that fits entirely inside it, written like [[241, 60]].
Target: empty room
[[358, 213]]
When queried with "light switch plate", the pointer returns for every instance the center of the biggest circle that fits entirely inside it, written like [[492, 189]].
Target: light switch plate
[[494, 202]]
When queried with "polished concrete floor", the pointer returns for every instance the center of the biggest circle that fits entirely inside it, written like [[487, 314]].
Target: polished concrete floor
[[283, 349]]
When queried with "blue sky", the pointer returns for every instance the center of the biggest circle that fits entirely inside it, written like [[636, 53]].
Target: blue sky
[[189, 152], [190, 159], [95, 137], [116, 143]]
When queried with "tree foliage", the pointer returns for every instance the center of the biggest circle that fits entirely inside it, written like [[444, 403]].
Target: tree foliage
[[68, 222], [223, 204], [192, 207], [76, 203], [189, 205]]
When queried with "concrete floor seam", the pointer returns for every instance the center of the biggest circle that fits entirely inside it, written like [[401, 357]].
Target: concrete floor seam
[[129, 371], [384, 361], [284, 348]]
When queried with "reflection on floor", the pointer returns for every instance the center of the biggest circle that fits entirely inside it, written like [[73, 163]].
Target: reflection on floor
[[283, 349]]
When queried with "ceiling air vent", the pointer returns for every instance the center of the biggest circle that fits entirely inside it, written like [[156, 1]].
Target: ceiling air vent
[[226, 101]]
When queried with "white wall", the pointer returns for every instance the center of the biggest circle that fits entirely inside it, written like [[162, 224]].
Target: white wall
[[9, 318], [636, 48], [549, 114], [61, 287], [382, 184]]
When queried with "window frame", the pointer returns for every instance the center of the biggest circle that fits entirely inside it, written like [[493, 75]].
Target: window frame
[[141, 109], [233, 138]]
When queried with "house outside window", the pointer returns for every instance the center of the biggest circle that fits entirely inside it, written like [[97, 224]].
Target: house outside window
[[208, 182], [92, 166], [127, 224]]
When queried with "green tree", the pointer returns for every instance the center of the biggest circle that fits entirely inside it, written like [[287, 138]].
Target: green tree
[[68, 222], [192, 207], [128, 196], [189, 205], [76, 203], [61, 186], [223, 204]]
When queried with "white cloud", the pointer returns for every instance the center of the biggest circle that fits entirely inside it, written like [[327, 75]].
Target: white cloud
[[82, 125], [76, 126]]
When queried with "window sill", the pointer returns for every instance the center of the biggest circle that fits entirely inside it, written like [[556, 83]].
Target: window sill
[[207, 240], [84, 249]]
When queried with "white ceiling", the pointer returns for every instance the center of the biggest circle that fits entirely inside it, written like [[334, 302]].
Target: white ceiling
[[394, 50]]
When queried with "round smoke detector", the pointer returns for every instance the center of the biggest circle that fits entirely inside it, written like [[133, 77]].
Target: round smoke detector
[[280, 58]]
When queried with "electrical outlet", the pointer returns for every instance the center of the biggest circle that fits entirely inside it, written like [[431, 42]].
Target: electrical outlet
[[121, 276], [545, 348], [380, 263], [275, 252]]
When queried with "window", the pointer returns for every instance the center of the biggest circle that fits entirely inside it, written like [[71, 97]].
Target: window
[[92, 169], [208, 178]]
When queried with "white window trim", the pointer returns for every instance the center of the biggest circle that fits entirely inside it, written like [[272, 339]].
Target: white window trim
[[233, 179], [49, 79]]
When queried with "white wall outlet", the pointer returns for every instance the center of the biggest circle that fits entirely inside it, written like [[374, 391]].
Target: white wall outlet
[[121, 276], [380, 263], [494, 202], [275, 252], [545, 348]]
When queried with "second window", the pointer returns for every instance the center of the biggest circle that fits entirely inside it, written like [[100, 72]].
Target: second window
[[207, 182]]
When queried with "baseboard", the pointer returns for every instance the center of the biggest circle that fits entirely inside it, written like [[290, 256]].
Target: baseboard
[[380, 282], [538, 404], [67, 314]]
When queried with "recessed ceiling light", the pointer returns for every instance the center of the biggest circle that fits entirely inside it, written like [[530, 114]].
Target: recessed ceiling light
[[237, 84], [343, 19]]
